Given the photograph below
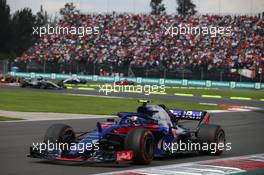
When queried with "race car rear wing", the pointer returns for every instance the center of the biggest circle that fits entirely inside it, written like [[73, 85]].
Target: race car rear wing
[[201, 116]]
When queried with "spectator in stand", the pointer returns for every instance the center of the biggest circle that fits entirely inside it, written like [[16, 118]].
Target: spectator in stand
[[141, 41]]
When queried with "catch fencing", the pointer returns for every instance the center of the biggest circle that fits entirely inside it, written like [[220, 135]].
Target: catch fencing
[[148, 81]]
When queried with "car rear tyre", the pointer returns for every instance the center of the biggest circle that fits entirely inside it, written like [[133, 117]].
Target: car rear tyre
[[213, 136], [142, 143]]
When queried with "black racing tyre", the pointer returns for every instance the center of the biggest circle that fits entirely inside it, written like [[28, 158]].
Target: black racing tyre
[[23, 84], [60, 83], [43, 86], [59, 133], [212, 135], [83, 81], [142, 143]]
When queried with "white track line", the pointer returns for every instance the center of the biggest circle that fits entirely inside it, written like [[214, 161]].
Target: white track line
[[102, 96], [156, 169]]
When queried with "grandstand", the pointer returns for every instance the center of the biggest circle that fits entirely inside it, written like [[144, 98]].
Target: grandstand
[[137, 45]]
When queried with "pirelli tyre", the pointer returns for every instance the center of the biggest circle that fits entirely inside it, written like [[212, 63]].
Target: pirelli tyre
[[211, 139], [142, 143], [60, 133]]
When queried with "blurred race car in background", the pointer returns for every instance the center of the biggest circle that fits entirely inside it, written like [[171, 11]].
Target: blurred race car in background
[[9, 79], [40, 83], [72, 80], [137, 137], [124, 82]]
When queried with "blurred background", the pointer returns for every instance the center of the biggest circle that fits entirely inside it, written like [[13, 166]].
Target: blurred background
[[132, 40]]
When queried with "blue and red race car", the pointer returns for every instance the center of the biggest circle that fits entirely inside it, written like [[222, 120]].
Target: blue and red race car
[[138, 137]]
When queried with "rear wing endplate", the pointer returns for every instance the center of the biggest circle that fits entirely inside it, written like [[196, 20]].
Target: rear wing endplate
[[188, 115]]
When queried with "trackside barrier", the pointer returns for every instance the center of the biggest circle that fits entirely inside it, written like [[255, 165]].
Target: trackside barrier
[[148, 81]]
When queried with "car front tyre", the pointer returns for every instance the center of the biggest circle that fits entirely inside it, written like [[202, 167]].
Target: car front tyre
[[142, 143]]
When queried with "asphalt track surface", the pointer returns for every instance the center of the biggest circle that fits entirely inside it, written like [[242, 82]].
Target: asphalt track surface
[[243, 129]]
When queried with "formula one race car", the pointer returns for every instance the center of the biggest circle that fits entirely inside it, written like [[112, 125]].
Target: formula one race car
[[9, 79], [138, 137], [40, 83], [124, 82], [72, 80]]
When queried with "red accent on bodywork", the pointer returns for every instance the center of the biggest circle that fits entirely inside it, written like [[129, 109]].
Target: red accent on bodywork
[[106, 125], [206, 119], [124, 155], [69, 159], [125, 130]]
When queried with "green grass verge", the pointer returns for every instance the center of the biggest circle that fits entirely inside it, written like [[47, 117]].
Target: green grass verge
[[8, 118], [28, 101], [224, 93]]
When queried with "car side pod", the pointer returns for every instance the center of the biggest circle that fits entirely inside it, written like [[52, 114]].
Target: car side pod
[[126, 155]]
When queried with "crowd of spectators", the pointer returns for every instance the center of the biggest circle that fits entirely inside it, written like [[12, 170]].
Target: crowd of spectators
[[140, 40]]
